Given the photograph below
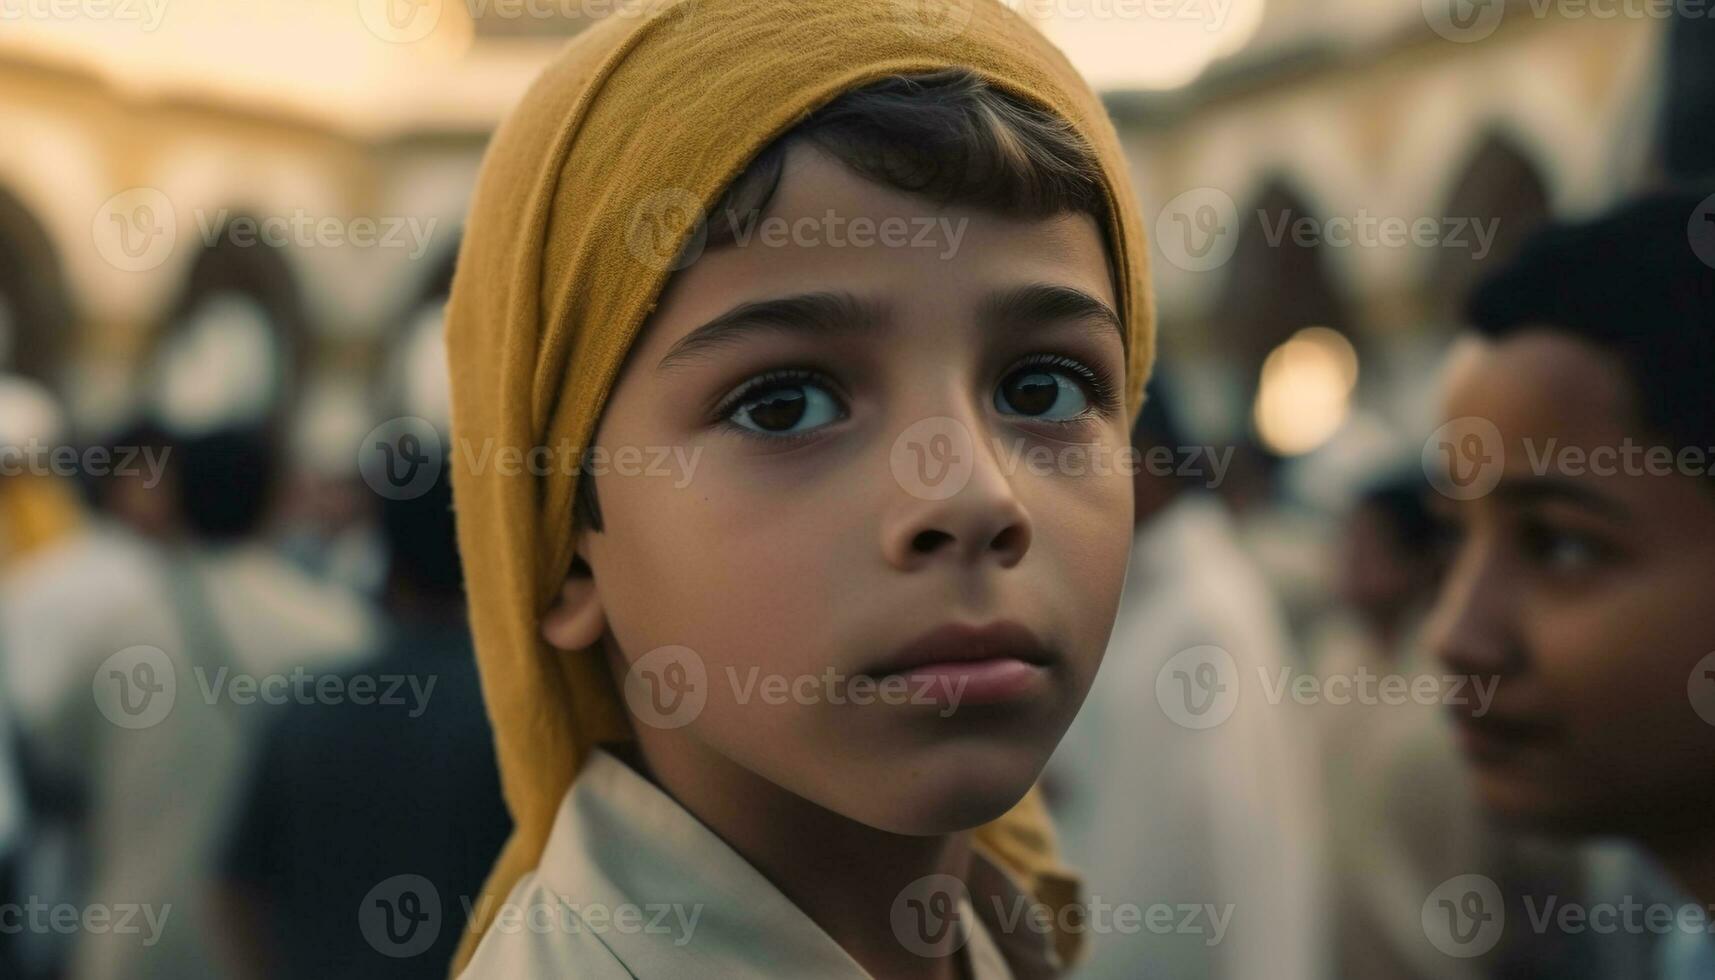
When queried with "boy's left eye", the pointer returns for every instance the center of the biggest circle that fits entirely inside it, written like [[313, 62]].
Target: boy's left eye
[[1040, 392]]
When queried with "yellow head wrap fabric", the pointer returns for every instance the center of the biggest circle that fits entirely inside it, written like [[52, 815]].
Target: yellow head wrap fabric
[[586, 192]]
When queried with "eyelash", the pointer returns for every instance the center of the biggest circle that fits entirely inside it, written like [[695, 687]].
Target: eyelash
[[780, 378], [1103, 392]]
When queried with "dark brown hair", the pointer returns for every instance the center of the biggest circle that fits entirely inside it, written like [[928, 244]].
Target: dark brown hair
[[947, 136]]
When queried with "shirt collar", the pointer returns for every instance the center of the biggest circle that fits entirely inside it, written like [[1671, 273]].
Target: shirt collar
[[620, 842]]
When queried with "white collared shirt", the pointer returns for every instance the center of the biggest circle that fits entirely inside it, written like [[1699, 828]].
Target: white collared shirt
[[631, 884]]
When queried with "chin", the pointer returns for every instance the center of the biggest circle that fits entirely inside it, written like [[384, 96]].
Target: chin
[[955, 793], [1538, 809]]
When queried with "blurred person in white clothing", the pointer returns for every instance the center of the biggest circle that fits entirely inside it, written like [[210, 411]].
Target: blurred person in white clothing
[[1179, 786], [187, 643]]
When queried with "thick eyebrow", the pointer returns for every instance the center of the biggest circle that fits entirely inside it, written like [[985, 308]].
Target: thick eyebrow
[[1024, 307], [822, 314], [828, 313], [1550, 489]]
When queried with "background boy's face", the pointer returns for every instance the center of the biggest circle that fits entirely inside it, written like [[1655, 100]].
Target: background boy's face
[[815, 535], [1588, 597]]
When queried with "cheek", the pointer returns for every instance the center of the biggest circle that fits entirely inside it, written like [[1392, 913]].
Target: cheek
[[1619, 663], [1083, 534], [720, 566]]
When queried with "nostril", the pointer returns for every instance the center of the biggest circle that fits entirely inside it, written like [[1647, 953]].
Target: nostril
[[927, 541], [1008, 540]]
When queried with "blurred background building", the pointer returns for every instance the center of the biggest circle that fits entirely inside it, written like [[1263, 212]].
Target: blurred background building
[[251, 210]]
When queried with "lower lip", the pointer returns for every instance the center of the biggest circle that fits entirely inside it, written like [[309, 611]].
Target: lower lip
[[1482, 743], [976, 681]]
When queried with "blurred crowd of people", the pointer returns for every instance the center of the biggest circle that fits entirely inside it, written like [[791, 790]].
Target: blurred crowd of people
[[273, 737], [267, 741]]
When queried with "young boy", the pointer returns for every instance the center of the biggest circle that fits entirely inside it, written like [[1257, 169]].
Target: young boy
[[846, 517], [1576, 468]]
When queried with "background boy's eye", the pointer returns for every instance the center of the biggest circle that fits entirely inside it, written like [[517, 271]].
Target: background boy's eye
[[1562, 550], [786, 408], [1044, 393]]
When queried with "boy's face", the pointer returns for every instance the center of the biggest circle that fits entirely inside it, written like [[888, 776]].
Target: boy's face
[[809, 530], [1585, 596]]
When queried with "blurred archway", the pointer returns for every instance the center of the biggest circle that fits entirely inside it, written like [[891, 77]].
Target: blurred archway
[[231, 350], [36, 319], [1501, 185]]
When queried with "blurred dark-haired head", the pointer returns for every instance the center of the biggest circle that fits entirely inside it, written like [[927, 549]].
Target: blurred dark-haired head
[[140, 489], [422, 547], [1160, 441], [226, 482], [1390, 555], [1578, 486], [1639, 284]]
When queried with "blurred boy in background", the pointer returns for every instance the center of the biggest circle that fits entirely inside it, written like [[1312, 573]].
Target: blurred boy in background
[[1580, 440]]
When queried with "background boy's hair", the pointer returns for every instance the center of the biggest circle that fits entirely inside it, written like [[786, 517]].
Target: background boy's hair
[[1635, 284], [947, 136], [422, 544], [227, 481]]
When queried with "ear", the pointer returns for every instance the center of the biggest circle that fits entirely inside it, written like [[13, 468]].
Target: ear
[[576, 620]]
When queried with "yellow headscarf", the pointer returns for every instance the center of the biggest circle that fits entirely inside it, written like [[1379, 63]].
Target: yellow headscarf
[[586, 193]]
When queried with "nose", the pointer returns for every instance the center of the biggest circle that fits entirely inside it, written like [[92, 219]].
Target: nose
[[1470, 629], [983, 521]]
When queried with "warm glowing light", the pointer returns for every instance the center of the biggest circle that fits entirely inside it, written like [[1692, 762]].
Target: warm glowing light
[[1306, 389], [1145, 44], [303, 55]]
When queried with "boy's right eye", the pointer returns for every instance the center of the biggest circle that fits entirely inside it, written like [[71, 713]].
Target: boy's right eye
[[782, 404]]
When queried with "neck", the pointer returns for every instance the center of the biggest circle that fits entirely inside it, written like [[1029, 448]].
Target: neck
[[843, 874], [1690, 857]]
